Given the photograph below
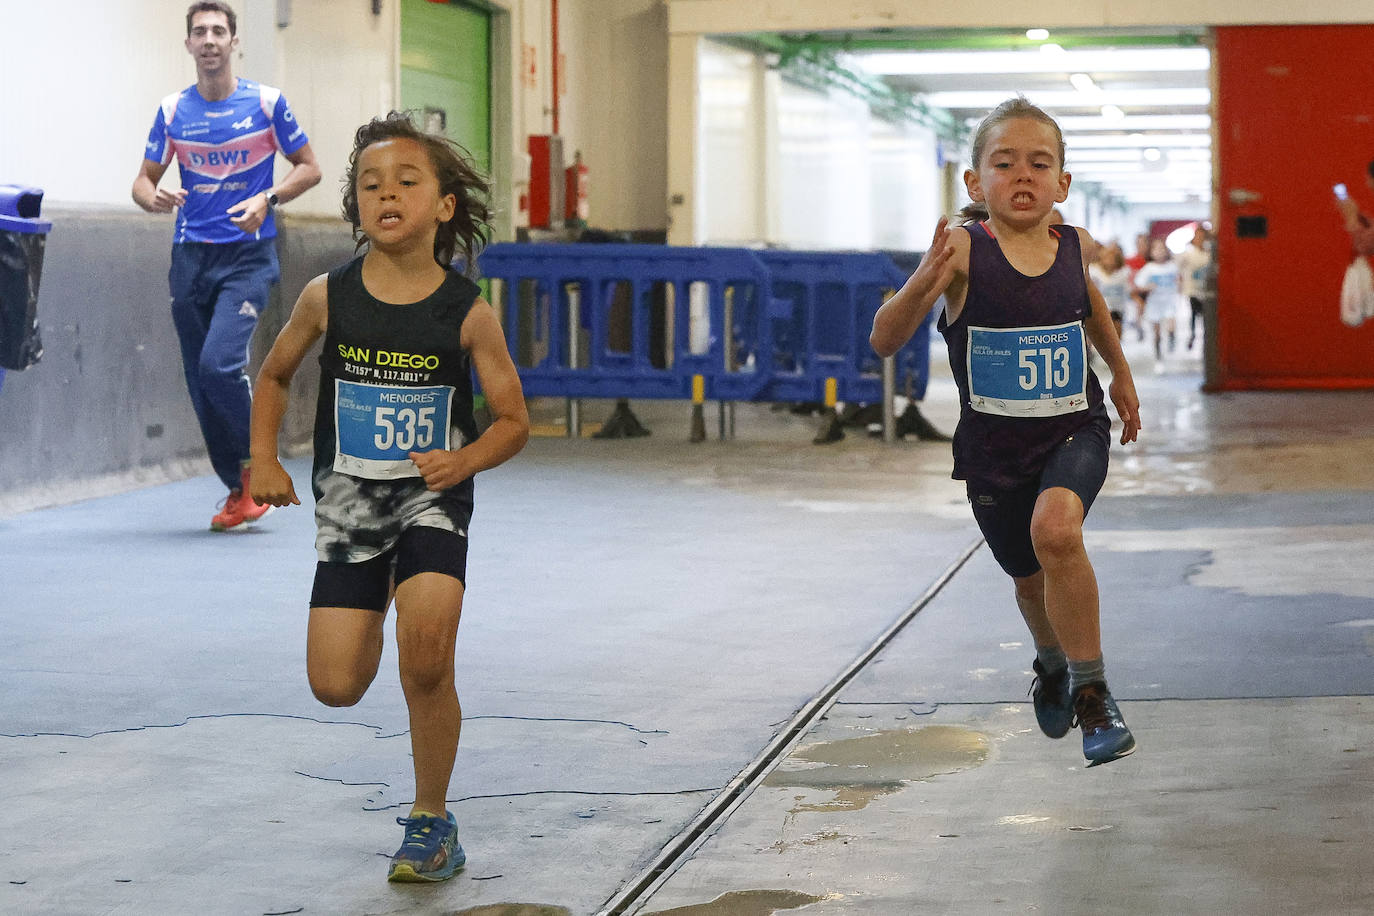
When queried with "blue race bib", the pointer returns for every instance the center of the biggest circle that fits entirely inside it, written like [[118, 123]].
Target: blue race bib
[[1027, 372], [378, 426]]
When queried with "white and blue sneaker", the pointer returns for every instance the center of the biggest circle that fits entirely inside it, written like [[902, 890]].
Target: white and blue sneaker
[[430, 851]]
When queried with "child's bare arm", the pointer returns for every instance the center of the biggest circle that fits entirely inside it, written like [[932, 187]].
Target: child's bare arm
[[1102, 332], [510, 427], [944, 261], [269, 481]]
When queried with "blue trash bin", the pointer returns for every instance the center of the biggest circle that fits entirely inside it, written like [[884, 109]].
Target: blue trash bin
[[23, 236]]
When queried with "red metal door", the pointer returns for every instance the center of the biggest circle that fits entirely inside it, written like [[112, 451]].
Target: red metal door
[[1294, 116]]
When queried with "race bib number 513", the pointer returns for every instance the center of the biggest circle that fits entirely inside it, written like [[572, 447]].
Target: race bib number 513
[[1027, 372], [378, 426]]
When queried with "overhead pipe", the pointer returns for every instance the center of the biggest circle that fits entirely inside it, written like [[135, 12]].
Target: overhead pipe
[[553, 7]]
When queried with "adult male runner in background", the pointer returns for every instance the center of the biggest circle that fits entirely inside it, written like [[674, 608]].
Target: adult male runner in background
[[225, 133]]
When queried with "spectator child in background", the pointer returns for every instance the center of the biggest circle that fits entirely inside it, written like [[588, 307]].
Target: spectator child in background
[[1113, 279], [1135, 262], [1158, 281], [1192, 274]]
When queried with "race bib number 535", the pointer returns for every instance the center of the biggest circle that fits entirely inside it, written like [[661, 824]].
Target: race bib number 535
[[378, 426], [1027, 372]]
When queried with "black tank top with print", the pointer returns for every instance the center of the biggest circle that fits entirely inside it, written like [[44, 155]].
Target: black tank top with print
[[1019, 357], [394, 379]]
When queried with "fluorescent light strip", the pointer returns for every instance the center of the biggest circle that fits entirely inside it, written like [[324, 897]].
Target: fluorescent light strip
[[1155, 190], [1069, 98], [1165, 197], [1166, 177], [1071, 123], [1135, 141], [1084, 84], [1089, 159], [1085, 170], [945, 63]]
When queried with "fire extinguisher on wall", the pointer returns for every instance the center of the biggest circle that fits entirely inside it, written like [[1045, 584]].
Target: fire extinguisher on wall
[[577, 206]]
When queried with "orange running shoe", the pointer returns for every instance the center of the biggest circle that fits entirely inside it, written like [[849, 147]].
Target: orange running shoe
[[239, 508]]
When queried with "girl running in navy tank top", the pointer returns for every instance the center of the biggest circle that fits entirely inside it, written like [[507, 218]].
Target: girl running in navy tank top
[[396, 447], [1033, 434]]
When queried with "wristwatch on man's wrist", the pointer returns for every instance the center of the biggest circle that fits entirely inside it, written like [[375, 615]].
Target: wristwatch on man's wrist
[[272, 198]]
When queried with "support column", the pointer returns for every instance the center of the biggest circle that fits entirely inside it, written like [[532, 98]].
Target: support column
[[684, 218]]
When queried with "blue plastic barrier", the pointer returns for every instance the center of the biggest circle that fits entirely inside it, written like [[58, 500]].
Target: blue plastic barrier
[[619, 321], [650, 291], [822, 312]]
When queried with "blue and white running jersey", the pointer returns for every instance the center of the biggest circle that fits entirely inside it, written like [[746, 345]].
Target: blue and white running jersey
[[226, 151]]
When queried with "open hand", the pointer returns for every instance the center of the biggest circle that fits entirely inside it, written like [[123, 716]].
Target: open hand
[[1122, 392], [937, 266]]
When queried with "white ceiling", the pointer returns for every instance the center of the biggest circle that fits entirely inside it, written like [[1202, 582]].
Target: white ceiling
[[1155, 148]]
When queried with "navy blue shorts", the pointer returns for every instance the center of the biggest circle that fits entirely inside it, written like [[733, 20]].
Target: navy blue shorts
[[368, 584], [1004, 516]]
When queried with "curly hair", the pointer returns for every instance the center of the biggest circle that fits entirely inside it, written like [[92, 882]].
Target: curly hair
[[468, 229], [1010, 110]]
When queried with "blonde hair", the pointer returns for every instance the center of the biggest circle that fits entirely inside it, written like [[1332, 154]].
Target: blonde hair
[[1010, 110]]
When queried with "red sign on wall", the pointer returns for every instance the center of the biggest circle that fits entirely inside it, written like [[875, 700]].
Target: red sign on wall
[[529, 66]]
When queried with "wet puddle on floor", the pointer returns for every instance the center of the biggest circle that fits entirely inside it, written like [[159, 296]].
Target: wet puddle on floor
[[515, 909], [861, 769], [743, 903], [811, 839]]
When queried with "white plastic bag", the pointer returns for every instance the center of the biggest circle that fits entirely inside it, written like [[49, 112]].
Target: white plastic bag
[[1357, 293]]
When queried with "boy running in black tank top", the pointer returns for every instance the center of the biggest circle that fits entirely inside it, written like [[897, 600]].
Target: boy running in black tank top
[[1033, 432], [396, 447]]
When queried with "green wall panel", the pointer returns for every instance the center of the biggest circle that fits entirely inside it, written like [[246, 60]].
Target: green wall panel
[[446, 66]]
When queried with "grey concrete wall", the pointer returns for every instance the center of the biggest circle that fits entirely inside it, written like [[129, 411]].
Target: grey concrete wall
[[107, 405]]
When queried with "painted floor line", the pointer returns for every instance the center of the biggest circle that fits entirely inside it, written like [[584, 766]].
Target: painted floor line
[[637, 891], [928, 708]]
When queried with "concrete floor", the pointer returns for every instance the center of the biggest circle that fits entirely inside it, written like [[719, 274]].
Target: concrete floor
[[645, 616]]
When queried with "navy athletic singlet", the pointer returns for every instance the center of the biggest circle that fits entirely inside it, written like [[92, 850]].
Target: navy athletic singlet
[[1019, 357], [394, 379]]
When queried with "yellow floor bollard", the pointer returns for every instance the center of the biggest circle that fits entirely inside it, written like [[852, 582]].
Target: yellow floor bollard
[[831, 429], [698, 433]]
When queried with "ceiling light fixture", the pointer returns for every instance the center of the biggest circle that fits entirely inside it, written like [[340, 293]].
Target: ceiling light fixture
[[1010, 63], [1084, 83], [1138, 141], [1068, 98], [1112, 117]]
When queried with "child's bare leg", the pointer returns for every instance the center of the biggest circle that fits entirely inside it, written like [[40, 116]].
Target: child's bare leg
[[1030, 598], [343, 647], [1071, 599], [428, 606]]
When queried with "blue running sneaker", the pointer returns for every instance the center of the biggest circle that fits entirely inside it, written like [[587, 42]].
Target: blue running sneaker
[[1050, 696], [1105, 735], [430, 851]]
